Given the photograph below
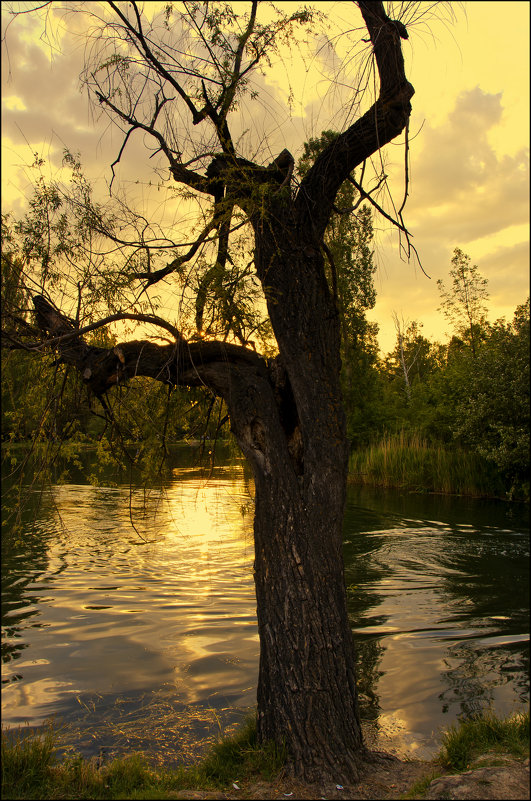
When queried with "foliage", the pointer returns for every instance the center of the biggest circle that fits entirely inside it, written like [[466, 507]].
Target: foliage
[[64, 242], [14, 293], [427, 397], [407, 367], [492, 413], [486, 732], [464, 303], [481, 402], [56, 243], [468, 398], [61, 240], [31, 769], [177, 76]]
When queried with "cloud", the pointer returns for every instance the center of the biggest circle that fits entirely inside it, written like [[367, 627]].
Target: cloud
[[463, 193], [461, 189], [47, 109], [507, 270], [326, 54]]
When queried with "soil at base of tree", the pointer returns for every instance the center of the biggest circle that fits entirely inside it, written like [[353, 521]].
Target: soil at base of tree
[[391, 778]]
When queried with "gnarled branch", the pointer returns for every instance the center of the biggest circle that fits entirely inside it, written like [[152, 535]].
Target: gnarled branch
[[385, 120], [183, 363]]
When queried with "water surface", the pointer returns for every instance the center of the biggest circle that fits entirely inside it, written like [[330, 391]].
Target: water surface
[[439, 604], [145, 637]]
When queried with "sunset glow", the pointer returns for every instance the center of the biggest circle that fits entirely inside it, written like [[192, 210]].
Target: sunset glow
[[469, 133]]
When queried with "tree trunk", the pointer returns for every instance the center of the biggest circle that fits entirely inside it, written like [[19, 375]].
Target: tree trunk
[[287, 415], [291, 426], [306, 687]]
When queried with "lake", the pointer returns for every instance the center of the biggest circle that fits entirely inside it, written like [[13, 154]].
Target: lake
[[129, 616]]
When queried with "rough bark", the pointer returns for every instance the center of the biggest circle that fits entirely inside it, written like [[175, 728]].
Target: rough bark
[[306, 689], [288, 418]]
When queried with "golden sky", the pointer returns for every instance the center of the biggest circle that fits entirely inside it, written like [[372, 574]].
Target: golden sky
[[469, 142]]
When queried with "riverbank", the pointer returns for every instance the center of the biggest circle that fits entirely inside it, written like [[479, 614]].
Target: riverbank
[[482, 758], [408, 461], [403, 460]]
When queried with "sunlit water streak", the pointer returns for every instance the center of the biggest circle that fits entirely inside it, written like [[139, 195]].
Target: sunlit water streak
[[147, 639]]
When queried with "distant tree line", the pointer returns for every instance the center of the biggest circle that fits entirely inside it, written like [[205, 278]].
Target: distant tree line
[[470, 392]]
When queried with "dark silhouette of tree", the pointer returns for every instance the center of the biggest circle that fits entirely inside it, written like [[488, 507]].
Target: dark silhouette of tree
[[350, 271], [286, 412]]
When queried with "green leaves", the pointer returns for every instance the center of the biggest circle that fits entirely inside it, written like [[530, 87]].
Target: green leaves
[[477, 401], [492, 414], [464, 304], [116, 60]]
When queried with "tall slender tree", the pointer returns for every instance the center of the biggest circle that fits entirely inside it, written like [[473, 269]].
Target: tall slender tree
[[464, 304], [285, 412]]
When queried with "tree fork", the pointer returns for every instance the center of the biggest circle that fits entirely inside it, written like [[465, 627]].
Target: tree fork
[[287, 416]]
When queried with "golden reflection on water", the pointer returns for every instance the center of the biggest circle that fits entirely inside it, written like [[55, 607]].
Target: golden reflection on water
[[174, 612], [213, 516], [150, 642], [392, 733]]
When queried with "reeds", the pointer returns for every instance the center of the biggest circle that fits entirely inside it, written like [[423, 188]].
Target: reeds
[[407, 460]]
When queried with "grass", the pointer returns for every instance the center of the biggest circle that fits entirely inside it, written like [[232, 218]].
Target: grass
[[463, 742], [26, 761], [419, 789], [485, 733], [407, 460], [30, 769]]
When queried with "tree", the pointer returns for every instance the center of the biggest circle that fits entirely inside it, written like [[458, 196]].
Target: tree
[[400, 356], [286, 412], [412, 359], [463, 304], [492, 408], [350, 270]]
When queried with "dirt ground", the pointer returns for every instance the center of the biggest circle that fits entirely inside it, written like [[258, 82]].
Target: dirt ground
[[391, 778]]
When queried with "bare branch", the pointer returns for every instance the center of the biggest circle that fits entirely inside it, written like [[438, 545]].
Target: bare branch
[[227, 95], [144, 48], [176, 264], [206, 363], [367, 196], [51, 319], [385, 119]]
